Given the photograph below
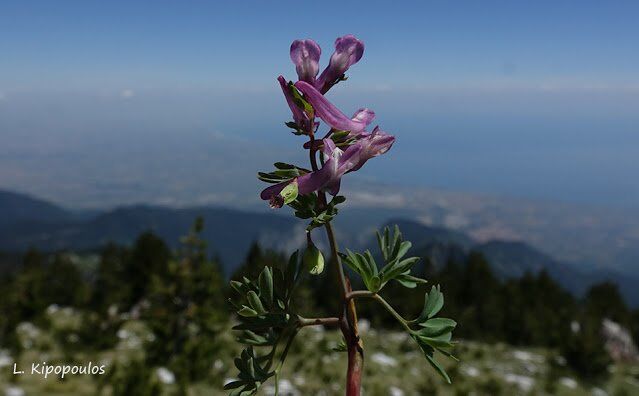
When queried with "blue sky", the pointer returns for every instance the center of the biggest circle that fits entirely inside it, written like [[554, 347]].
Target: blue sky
[[532, 99]]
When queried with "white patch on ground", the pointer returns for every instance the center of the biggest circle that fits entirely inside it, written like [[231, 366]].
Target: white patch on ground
[[299, 380], [395, 391], [575, 327], [28, 329], [528, 356], [218, 364], [51, 309], [5, 358], [165, 375], [383, 359], [363, 325], [568, 382], [13, 391], [398, 337], [333, 357], [524, 383], [598, 392], [470, 371], [285, 386]]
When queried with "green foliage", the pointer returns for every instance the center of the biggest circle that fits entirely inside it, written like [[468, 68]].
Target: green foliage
[[111, 287], [435, 333], [431, 334], [283, 172], [398, 268], [603, 300], [584, 350], [184, 310], [266, 318], [134, 378], [308, 207]]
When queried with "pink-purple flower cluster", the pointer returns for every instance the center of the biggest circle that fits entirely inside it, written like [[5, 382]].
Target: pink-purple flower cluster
[[362, 145]]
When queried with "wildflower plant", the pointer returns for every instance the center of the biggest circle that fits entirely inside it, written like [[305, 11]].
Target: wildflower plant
[[268, 323]]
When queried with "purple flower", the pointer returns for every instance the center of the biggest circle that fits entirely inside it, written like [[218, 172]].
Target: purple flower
[[331, 114], [348, 51], [300, 118], [305, 54], [371, 145], [336, 164]]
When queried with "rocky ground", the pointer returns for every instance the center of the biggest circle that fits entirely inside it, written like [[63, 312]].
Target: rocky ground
[[394, 367]]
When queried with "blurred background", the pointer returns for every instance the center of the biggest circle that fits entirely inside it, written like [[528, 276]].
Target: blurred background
[[514, 174]]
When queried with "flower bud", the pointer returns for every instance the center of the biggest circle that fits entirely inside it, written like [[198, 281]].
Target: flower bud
[[348, 51], [313, 259], [305, 54]]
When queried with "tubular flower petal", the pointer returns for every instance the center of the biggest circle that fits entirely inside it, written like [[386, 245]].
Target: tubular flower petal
[[300, 118], [348, 51], [364, 115], [371, 145], [329, 113], [305, 54]]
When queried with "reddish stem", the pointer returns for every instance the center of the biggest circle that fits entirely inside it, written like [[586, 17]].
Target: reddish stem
[[354, 373]]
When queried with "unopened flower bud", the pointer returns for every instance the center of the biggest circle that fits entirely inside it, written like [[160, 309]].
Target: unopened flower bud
[[313, 259]]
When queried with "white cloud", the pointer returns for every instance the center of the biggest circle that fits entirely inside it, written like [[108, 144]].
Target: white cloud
[[127, 93], [376, 199]]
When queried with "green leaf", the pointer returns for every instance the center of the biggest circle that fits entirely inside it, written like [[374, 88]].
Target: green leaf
[[283, 165], [292, 270], [403, 249], [437, 326], [437, 367], [409, 281], [433, 303], [394, 247], [382, 245], [440, 341], [374, 284], [237, 286], [255, 302], [247, 312], [233, 385], [396, 268], [266, 285], [372, 265], [351, 261], [341, 346]]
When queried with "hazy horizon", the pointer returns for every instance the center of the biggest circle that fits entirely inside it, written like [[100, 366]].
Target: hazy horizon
[[535, 101]]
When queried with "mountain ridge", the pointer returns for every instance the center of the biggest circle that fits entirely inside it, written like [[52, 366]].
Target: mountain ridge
[[230, 232]]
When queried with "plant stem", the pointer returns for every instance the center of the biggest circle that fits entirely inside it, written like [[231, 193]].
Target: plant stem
[[348, 315], [303, 322], [348, 323], [359, 293], [282, 358], [367, 294], [335, 257]]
